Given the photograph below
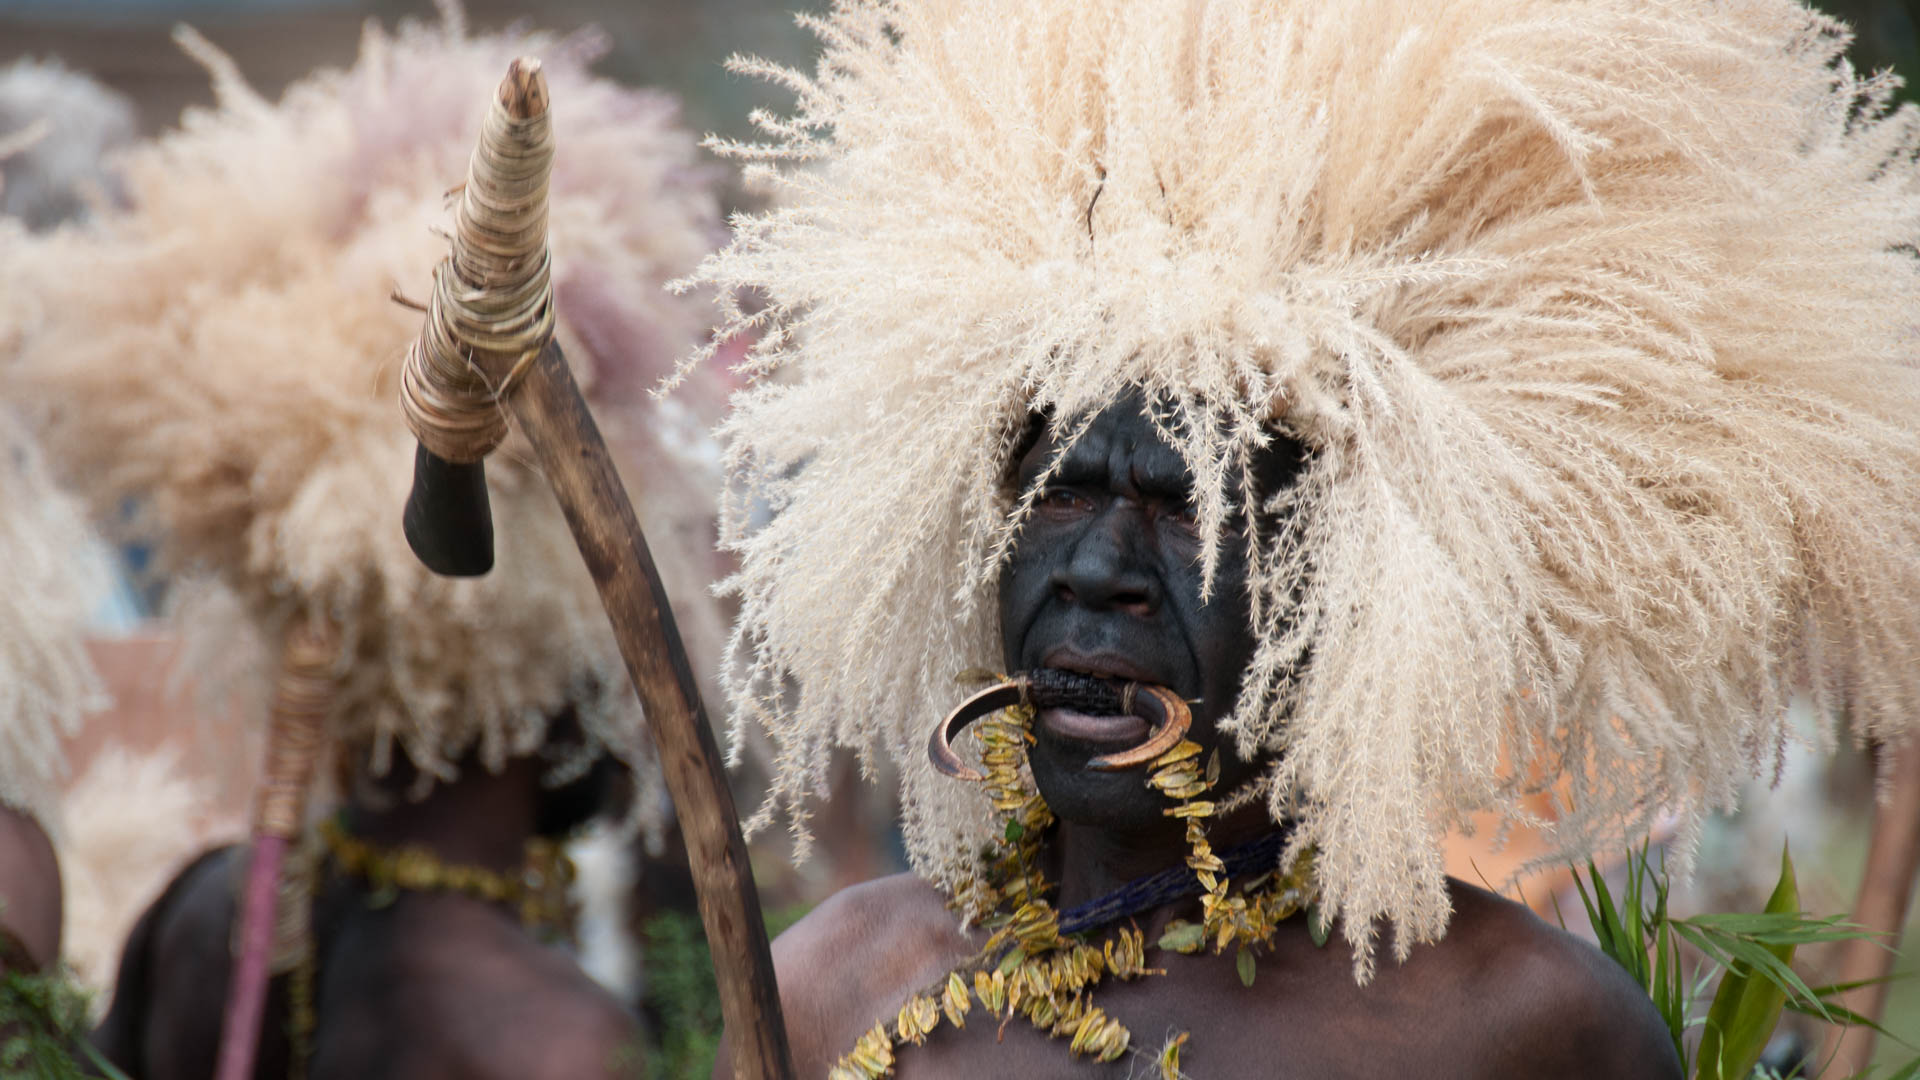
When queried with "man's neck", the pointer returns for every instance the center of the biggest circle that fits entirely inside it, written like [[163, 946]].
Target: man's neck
[[481, 819], [1092, 861]]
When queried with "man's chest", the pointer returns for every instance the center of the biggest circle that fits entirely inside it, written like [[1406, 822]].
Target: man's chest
[[1203, 1022]]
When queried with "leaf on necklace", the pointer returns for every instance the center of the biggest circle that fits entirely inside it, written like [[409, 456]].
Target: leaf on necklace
[[1213, 766], [1170, 1057], [1012, 961], [1015, 832], [1182, 936], [1318, 927], [955, 1002], [1243, 963]]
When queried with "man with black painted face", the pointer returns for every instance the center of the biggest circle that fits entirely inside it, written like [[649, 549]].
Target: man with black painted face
[[1104, 579], [1442, 402]]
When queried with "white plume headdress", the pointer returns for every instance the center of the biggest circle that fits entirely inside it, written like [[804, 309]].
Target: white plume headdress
[[54, 126], [1598, 318], [52, 576]]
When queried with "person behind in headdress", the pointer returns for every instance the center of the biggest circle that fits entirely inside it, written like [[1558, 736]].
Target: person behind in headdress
[[225, 353], [129, 812], [1440, 404], [47, 683], [47, 680]]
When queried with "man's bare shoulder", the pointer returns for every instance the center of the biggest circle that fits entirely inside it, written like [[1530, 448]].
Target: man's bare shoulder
[[467, 993], [553, 1029], [1550, 1003], [857, 956], [29, 888], [885, 917]]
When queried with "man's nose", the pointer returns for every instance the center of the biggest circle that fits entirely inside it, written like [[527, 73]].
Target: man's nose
[[1108, 568]]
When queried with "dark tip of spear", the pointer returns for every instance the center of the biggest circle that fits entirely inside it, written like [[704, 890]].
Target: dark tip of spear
[[449, 519]]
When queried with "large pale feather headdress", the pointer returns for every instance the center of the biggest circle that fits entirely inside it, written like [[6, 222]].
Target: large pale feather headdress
[[224, 355], [51, 578], [1598, 318], [54, 124]]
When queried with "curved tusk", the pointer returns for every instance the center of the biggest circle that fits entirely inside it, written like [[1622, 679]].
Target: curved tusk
[[985, 703], [1168, 717]]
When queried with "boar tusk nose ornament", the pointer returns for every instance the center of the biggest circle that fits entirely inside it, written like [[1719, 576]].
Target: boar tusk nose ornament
[[1166, 715]]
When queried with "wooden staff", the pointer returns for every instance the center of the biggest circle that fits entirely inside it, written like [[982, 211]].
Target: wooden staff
[[487, 351], [1886, 888], [301, 699]]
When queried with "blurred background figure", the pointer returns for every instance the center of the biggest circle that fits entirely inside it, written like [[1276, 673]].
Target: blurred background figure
[[216, 362], [132, 808]]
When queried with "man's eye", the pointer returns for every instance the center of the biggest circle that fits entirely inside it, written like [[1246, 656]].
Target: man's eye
[[1186, 519], [1065, 500]]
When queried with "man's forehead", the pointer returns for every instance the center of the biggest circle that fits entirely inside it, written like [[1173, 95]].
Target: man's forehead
[[1124, 433], [1121, 434]]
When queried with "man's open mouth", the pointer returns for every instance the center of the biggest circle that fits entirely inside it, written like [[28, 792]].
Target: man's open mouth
[[1097, 716], [1071, 725], [1134, 722]]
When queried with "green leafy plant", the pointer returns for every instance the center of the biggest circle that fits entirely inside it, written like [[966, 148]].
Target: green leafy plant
[[1752, 953], [682, 995], [43, 1030]]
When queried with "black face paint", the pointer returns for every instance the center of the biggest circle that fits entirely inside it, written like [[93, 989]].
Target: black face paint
[[1105, 578]]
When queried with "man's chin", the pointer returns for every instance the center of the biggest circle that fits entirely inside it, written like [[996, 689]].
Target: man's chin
[[1118, 800]]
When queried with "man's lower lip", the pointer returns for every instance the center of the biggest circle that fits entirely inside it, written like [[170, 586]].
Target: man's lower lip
[[1080, 727]]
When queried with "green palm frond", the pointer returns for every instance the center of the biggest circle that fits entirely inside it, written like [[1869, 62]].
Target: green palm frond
[[1751, 953]]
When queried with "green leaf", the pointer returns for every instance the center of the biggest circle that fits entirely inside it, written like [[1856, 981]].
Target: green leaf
[[1633, 937], [1609, 915], [1908, 1071], [44, 1017], [1012, 961], [1781, 928], [1015, 831], [1840, 1014], [1318, 926], [1827, 990], [1745, 956], [1243, 963], [1182, 936], [1747, 1006], [1666, 997]]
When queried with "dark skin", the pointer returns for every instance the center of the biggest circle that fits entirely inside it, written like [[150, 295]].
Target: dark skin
[[29, 894], [30, 900], [432, 985], [1104, 579]]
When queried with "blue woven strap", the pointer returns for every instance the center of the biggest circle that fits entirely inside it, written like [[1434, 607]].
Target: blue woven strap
[[1166, 886]]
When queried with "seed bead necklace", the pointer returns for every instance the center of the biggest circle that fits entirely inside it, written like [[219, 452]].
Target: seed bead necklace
[[1036, 962], [537, 891]]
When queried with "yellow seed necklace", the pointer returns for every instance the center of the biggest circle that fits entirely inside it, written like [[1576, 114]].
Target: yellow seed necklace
[[1028, 967], [537, 892]]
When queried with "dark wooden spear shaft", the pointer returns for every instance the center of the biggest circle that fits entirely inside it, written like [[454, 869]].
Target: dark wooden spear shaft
[[446, 504], [448, 524]]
